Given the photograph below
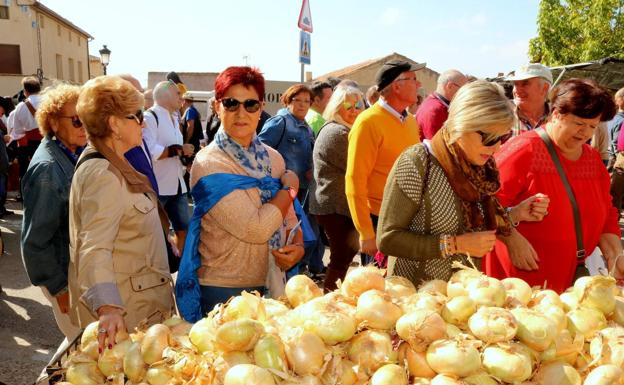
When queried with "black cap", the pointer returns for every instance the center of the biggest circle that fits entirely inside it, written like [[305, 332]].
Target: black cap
[[392, 69]]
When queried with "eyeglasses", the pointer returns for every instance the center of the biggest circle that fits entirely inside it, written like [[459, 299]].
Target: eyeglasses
[[75, 120], [359, 105], [250, 105], [137, 116], [487, 140]]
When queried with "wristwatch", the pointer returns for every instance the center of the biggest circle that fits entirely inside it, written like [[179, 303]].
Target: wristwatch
[[291, 192]]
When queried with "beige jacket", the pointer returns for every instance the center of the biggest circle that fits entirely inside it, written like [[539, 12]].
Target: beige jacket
[[600, 140], [117, 248]]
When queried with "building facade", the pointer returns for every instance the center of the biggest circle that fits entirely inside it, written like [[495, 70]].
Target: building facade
[[35, 40]]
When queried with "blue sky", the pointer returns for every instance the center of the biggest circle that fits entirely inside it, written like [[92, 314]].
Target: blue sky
[[477, 37]]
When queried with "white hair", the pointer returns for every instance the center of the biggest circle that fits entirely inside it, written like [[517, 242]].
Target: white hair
[[161, 91], [450, 76], [338, 97]]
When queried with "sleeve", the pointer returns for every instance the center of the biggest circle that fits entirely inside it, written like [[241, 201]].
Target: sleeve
[[100, 214], [429, 121], [401, 202], [150, 135], [362, 152], [332, 145], [43, 209], [513, 162], [190, 114], [272, 131]]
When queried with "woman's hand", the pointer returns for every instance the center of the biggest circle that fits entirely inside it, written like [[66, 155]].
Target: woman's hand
[[287, 256], [532, 209], [522, 254], [369, 246], [476, 244], [290, 179], [611, 248], [111, 323]]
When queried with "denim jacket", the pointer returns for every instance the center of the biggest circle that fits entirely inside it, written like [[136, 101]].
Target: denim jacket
[[45, 227], [293, 139]]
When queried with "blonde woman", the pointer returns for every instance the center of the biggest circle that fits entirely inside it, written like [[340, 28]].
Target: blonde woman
[[439, 202], [327, 193]]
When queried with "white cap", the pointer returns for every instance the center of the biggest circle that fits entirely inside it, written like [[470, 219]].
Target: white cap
[[533, 70]]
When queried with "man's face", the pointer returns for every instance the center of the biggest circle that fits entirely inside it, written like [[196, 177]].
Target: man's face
[[453, 86], [175, 99], [530, 91], [321, 102], [407, 86]]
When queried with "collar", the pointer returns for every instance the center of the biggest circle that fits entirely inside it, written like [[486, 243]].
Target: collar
[[73, 156], [527, 122], [401, 116], [59, 155], [441, 98]]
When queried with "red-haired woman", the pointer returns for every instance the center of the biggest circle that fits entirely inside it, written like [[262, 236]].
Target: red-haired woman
[[241, 220], [527, 168]]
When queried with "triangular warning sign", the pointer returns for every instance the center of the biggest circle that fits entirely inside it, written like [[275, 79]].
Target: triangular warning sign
[[305, 17]]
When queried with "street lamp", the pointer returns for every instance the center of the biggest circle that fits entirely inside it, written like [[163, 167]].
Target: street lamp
[[105, 57]]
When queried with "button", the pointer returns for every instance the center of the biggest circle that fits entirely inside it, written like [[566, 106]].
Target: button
[[139, 287], [162, 280]]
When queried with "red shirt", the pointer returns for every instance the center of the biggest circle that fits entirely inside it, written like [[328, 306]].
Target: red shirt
[[431, 115], [526, 169]]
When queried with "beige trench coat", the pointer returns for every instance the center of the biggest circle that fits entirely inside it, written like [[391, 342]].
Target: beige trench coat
[[117, 247]]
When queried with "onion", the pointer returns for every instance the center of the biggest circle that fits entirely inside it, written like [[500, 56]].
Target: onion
[[618, 313], [586, 322], [493, 324], [534, 329], [154, 342], [370, 349], [443, 379], [240, 307], [607, 347], [458, 309], [545, 298], [240, 335], [305, 380], [399, 287], [111, 360], [457, 284], [159, 374], [421, 327], [89, 334], [556, 314], [333, 321], [563, 348], [416, 362], [362, 279], [300, 289], [247, 374], [509, 362], [305, 352], [518, 291], [480, 379], [487, 291], [340, 372], [421, 381], [596, 292], [569, 300], [202, 335], [452, 331], [557, 373], [84, 373], [435, 286], [274, 308], [376, 310], [453, 357], [390, 374], [425, 301], [605, 375], [269, 353]]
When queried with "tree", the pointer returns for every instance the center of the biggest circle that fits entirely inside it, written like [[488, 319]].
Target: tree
[[576, 31]]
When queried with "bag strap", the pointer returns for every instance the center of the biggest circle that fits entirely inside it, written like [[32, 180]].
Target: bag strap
[[89, 156], [580, 248], [154, 115], [30, 107]]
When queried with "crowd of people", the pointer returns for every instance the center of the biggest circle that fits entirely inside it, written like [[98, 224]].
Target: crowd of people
[[120, 193]]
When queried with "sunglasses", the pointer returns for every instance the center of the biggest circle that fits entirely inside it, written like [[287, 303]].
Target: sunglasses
[[250, 105], [487, 140], [359, 105], [75, 120], [137, 116]]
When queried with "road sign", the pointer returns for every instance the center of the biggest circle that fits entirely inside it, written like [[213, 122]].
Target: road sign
[[305, 17], [304, 47]]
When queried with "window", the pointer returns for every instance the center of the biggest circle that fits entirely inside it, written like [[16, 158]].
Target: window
[[58, 30], [70, 63], [10, 59], [4, 11], [59, 67], [80, 77], [41, 21]]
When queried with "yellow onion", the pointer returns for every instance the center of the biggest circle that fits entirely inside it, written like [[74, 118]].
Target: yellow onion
[[534, 329], [569, 300], [228, 360], [556, 314], [300, 289], [420, 381], [421, 327], [481, 378], [487, 291], [518, 291], [330, 322], [240, 307], [376, 310], [618, 312], [247, 374], [178, 326], [89, 334], [586, 322], [240, 335], [444, 379], [202, 335], [269, 353], [425, 301], [274, 308], [545, 298], [607, 347], [340, 372], [596, 292], [370, 349], [509, 362], [84, 373], [91, 350], [435, 286], [458, 283], [111, 360], [493, 324], [154, 342], [399, 287], [305, 352], [159, 374], [453, 357], [362, 279], [304, 380], [557, 373], [390, 374], [452, 331], [605, 375], [458, 310], [416, 362]]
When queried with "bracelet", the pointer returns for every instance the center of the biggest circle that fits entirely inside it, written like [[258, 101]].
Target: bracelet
[[508, 210], [445, 246]]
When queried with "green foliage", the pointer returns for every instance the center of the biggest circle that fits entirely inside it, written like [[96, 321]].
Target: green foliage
[[576, 31]]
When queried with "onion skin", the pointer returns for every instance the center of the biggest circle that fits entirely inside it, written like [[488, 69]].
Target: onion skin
[[434, 286], [618, 312], [202, 335], [399, 287], [239, 335], [421, 327], [154, 342], [480, 379], [376, 310], [390, 374], [301, 289], [518, 291], [269, 353], [534, 329], [493, 324], [111, 360], [362, 279], [557, 373], [453, 357], [370, 349], [84, 373], [586, 322], [596, 292], [247, 374], [306, 353]]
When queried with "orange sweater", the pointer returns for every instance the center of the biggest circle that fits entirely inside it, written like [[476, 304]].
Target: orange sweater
[[375, 142]]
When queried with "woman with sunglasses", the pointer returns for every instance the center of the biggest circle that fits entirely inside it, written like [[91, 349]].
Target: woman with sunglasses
[[46, 186], [243, 214], [439, 204], [118, 272], [327, 190], [527, 167]]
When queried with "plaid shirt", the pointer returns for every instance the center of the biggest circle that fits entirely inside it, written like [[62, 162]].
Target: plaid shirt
[[524, 124]]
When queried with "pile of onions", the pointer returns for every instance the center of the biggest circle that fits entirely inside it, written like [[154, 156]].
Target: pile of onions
[[493, 324]]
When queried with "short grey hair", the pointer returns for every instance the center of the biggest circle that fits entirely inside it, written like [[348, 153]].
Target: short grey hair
[[450, 76], [161, 91], [338, 97]]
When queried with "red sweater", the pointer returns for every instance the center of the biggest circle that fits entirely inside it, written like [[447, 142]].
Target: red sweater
[[527, 169], [431, 115]]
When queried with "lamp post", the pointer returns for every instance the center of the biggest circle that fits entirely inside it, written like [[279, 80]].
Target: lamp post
[[105, 57]]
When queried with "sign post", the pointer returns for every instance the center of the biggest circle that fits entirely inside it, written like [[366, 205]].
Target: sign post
[[305, 24]]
